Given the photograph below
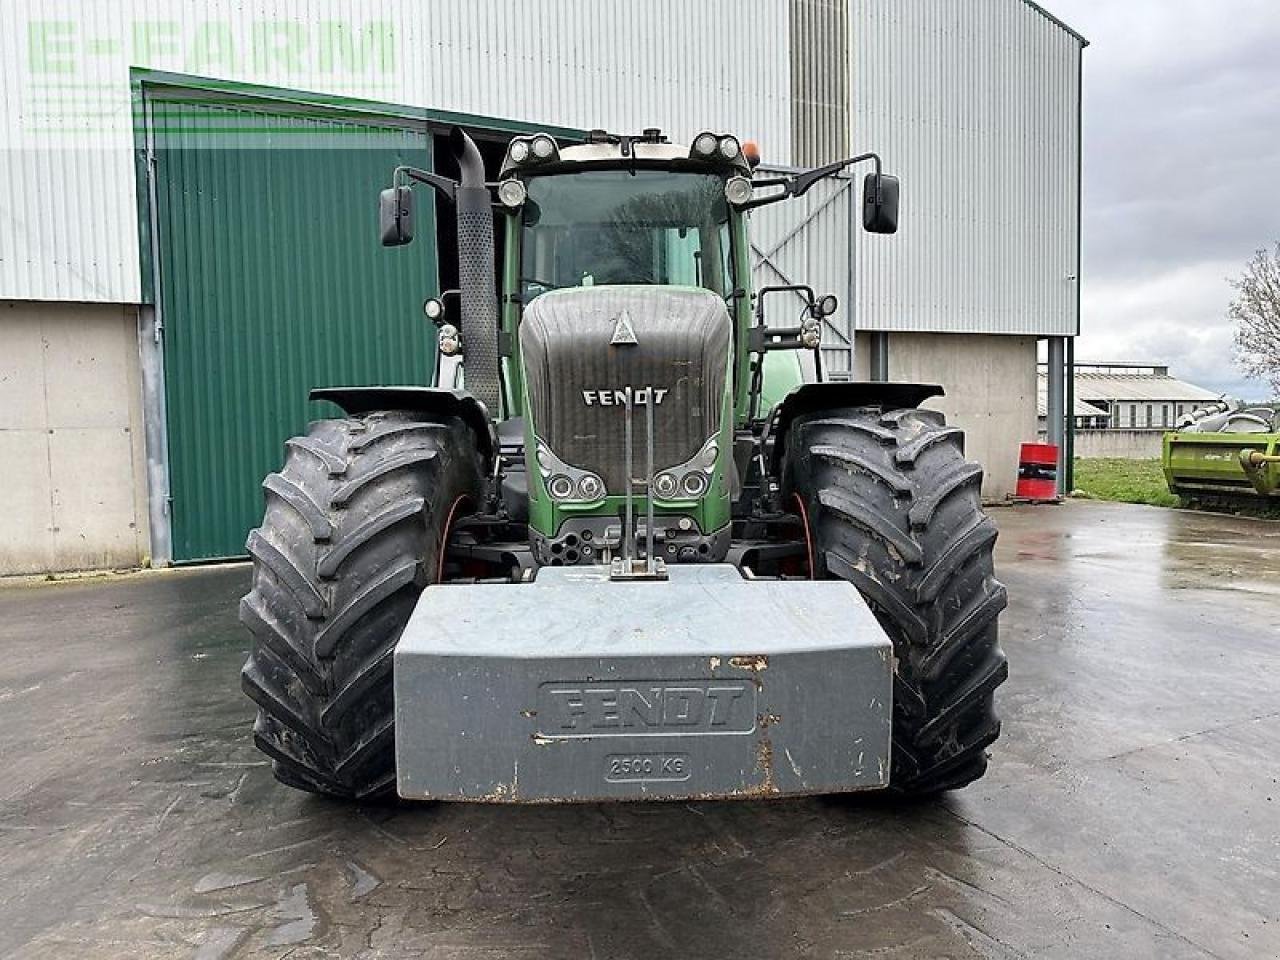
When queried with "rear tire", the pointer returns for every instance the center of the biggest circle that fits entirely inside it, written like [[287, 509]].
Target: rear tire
[[895, 509], [352, 534]]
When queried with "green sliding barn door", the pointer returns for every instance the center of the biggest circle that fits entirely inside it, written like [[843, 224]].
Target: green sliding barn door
[[271, 282]]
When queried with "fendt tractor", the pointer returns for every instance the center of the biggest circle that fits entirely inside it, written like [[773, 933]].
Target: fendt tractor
[[628, 545]]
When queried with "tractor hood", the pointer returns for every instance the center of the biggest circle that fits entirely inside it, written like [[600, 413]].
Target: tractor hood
[[587, 349]]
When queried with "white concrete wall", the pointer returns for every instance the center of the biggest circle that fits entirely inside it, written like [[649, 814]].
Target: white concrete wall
[[1120, 444], [991, 392], [71, 439]]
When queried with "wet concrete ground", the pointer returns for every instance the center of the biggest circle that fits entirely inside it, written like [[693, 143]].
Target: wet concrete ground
[[1132, 809]]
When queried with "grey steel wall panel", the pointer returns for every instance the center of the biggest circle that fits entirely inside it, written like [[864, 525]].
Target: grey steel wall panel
[[819, 81], [975, 106], [807, 241], [68, 205]]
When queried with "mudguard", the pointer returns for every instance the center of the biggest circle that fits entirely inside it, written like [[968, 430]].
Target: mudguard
[[430, 400], [855, 393]]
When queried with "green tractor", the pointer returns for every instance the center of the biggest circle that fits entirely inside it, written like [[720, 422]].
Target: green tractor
[[621, 549]]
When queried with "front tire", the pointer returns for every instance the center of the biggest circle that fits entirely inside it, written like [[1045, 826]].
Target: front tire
[[895, 509], [352, 534]]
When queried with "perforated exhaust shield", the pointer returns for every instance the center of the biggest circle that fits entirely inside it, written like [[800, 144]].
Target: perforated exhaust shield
[[479, 301], [580, 362]]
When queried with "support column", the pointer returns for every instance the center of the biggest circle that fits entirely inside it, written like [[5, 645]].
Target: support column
[[1069, 450], [879, 359], [1056, 420]]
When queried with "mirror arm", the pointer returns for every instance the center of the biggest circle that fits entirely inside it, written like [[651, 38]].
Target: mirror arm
[[801, 183], [442, 184]]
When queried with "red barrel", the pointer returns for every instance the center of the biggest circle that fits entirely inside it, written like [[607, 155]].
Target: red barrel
[[1038, 472]]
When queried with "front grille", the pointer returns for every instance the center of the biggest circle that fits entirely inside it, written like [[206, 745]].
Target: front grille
[[577, 379]]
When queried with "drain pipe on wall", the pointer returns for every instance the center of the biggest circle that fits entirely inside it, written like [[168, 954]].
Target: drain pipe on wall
[[879, 359], [1055, 419], [1069, 450], [155, 429]]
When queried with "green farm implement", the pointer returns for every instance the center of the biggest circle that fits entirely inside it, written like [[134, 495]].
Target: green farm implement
[[1224, 455]]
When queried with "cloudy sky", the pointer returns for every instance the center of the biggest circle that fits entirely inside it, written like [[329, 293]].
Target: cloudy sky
[[1182, 175]]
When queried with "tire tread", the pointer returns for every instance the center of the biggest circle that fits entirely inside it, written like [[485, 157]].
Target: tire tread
[[895, 509], [349, 539]]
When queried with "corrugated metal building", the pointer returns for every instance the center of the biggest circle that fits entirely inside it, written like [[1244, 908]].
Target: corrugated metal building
[[161, 273], [1131, 396], [1122, 410]]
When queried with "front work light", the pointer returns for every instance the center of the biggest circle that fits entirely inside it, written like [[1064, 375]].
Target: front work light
[[737, 190], [512, 193], [704, 145], [539, 148], [543, 147], [729, 148]]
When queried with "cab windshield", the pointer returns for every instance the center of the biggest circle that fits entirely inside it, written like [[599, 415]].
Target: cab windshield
[[625, 226]]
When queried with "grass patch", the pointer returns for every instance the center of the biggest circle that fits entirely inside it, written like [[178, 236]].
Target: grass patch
[[1142, 481], [1123, 481]]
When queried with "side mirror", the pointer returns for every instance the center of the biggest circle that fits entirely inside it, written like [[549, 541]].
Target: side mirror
[[395, 216], [880, 203]]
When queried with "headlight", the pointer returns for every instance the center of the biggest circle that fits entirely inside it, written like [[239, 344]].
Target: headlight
[[512, 193], [560, 487], [543, 147], [737, 190], [664, 485], [704, 145], [729, 148], [433, 308], [518, 151], [694, 484], [590, 487], [544, 461]]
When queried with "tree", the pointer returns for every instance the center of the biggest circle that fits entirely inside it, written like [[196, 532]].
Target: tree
[[1256, 314]]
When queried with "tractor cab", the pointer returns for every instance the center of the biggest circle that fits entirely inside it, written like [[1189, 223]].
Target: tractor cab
[[631, 354]]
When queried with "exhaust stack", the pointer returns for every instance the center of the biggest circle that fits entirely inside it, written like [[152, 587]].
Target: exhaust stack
[[476, 275]]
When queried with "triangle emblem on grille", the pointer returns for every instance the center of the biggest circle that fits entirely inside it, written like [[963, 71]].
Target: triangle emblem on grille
[[623, 332]]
